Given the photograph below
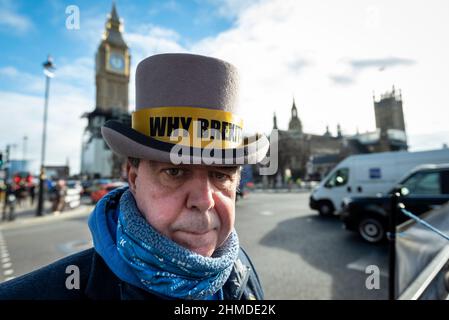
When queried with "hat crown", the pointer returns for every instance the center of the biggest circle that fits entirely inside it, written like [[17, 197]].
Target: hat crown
[[180, 79]]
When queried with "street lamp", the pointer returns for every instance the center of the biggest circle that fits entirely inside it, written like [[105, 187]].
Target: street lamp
[[25, 139], [48, 71]]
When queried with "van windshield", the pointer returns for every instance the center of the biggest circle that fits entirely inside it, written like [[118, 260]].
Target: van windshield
[[339, 178]]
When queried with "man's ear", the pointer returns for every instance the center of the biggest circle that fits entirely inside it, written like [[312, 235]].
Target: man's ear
[[131, 172]]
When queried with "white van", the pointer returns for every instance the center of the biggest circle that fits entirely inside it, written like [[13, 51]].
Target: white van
[[366, 175]]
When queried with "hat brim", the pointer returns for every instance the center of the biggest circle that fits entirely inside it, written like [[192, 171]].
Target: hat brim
[[128, 142]]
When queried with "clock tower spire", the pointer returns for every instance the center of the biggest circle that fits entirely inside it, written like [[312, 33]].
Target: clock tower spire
[[112, 64], [112, 67]]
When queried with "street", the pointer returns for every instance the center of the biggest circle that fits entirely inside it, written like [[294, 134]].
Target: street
[[298, 254]]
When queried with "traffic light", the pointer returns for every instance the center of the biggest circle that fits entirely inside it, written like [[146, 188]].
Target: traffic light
[[1, 160]]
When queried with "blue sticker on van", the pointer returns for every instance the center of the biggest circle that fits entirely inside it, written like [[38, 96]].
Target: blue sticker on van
[[375, 173]]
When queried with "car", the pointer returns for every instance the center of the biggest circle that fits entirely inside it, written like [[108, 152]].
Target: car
[[365, 175], [104, 189], [87, 185], [423, 189], [94, 185]]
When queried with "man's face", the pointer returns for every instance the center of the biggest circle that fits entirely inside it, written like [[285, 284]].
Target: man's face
[[192, 205]]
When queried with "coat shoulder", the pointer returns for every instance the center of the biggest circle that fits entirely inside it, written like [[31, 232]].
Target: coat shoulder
[[254, 290], [49, 282]]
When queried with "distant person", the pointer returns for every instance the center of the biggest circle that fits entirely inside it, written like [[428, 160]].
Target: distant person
[[10, 201], [32, 193], [170, 234], [60, 192]]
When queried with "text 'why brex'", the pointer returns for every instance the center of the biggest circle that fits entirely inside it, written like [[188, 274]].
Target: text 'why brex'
[[164, 126]]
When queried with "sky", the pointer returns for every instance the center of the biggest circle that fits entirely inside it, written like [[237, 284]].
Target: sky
[[329, 55]]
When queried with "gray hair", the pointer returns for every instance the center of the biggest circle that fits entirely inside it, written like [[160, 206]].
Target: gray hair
[[134, 161]]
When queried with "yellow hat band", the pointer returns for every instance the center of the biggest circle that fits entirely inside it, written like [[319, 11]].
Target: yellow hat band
[[190, 126]]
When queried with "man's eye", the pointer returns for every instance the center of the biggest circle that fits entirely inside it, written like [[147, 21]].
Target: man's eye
[[221, 176], [174, 172]]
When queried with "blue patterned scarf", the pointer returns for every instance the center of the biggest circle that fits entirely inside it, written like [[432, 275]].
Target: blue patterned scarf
[[155, 263]]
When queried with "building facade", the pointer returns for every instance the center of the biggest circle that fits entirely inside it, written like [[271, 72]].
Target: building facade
[[310, 156], [112, 72], [295, 148]]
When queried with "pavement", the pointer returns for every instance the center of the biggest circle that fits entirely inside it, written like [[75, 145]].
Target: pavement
[[25, 214]]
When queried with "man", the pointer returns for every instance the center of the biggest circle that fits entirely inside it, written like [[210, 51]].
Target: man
[[9, 206], [60, 192], [170, 234]]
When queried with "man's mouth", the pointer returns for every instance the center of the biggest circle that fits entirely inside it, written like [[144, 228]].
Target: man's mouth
[[197, 232], [201, 241]]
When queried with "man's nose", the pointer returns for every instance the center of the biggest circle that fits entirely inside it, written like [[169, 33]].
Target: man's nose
[[200, 194]]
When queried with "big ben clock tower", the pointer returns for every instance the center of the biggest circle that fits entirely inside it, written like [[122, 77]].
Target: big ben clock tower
[[112, 66]]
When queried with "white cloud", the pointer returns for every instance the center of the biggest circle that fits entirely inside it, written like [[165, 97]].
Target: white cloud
[[231, 9], [12, 20], [80, 70], [355, 43], [15, 21], [9, 71], [147, 40]]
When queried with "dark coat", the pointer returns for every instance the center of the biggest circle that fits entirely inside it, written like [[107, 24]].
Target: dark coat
[[98, 282]]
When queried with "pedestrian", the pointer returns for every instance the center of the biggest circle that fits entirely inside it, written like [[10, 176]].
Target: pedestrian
[[32, 192], [170, 234], [10, 201], [59, 197]]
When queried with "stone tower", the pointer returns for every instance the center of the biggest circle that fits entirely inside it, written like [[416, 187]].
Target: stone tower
[[275, 121], [388, 111], [390, 121], [295, 123], [112, 71], [112, 63]]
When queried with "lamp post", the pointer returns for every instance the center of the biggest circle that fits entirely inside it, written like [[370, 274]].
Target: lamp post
[[48, 71], [25, 139]]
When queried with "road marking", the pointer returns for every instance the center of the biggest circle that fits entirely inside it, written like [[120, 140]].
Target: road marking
[[8, 272], [6, 261], [367, 260], [81, 211], [266, 213]]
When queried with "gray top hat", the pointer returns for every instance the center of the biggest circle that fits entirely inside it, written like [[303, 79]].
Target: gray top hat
[[194, 93]]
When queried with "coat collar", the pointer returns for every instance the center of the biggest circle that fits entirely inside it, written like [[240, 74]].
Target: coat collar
[[103, 284]]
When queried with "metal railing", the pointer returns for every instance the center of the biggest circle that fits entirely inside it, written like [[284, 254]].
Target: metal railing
[[425, 279]]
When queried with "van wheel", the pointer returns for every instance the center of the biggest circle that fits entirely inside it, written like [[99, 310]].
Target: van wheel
[[372, 229], [325, 208]]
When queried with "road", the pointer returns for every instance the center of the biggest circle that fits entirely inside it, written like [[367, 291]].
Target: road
[[298, 254]]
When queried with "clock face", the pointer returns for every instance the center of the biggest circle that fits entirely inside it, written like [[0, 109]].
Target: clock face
[[117, 62]]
